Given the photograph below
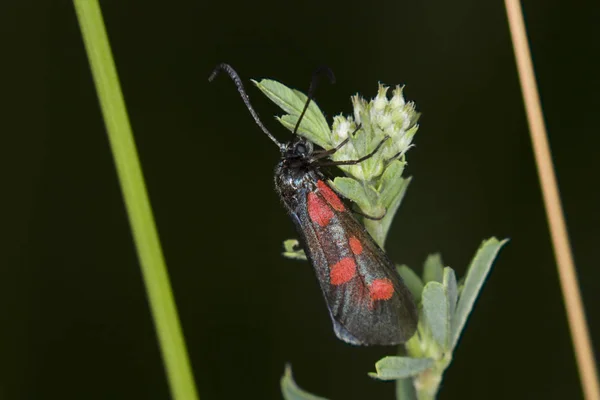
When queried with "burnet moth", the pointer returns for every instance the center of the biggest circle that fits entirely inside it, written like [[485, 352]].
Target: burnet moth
[[368, 302]]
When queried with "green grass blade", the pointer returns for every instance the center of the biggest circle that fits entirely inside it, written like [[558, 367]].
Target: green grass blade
[[138, 207]]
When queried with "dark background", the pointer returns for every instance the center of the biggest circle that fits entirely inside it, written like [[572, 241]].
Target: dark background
[[75, 321]]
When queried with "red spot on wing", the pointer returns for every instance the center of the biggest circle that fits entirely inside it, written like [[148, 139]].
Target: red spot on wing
[[342, 271], [330, 196], [318, 211], [381, 289], [355, 245]]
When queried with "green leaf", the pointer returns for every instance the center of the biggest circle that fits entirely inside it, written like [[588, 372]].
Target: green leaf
[[451, 289], [476, 275], [436, 313], [433, 270], [364, 144], [314, 125], [291, 391], [352, 190], [307, 129], [391, 183], [452, 296], [412, 281], [392, 367], [461, 286], [379, 229], [292, 250]]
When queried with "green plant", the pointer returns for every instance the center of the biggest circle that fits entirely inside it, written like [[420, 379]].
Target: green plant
[[139, 211], [377, 186]]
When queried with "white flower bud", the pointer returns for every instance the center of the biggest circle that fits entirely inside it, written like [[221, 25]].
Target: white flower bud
[[397, 100], [380, 101]]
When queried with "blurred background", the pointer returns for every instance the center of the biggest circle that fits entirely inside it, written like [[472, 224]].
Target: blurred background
[[75, 321]]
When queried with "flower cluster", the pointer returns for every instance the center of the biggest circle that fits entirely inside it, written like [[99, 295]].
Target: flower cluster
[[391, 119]]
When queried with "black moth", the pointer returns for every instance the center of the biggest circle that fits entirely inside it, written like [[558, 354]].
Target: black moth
[[368, 302]]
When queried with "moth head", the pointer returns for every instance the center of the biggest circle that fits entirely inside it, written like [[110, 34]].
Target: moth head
[[299, 148]]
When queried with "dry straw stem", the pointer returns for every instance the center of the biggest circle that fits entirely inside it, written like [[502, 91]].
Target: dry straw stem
[[558, 230]]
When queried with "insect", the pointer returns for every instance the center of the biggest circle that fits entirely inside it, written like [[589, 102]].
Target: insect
[[368, 302]]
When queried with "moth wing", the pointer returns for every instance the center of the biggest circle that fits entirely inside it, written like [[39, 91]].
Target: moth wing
[[380, 319], [367, 300], [376, 306]]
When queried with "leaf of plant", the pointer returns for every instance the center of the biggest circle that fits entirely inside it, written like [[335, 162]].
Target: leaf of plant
[[307, 129], [352, 190], [476, 275], [385, 223], [392, 367], [291, 250], [436, 312], [366, 198], [412, 281], [451, 289], [291, 391], [391, 183], [365, 144], [292, 102], [284, 97], [452, 295], [433, 269]]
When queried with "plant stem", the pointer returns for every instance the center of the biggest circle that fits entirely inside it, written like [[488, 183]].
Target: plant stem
[[149, 251], [584, 352]]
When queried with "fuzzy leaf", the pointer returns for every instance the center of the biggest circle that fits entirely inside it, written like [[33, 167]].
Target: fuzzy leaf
[[391, 183], [433, 269], [373, 166], [461, 286], [412, 281], [379, 229], [474, 279], [436, 312], [359, 146], [392, 368], [352, 190], [292, 250], [290, 389], [314, 125], [372, 197], [451, 290], [307, 130]]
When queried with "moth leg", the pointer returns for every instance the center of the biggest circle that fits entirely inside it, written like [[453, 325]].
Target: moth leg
[[325, 153], [353, 162], [367, 216], [396, 156]]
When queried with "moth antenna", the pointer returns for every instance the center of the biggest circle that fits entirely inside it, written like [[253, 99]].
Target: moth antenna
[[311, 90], [240, 87]]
